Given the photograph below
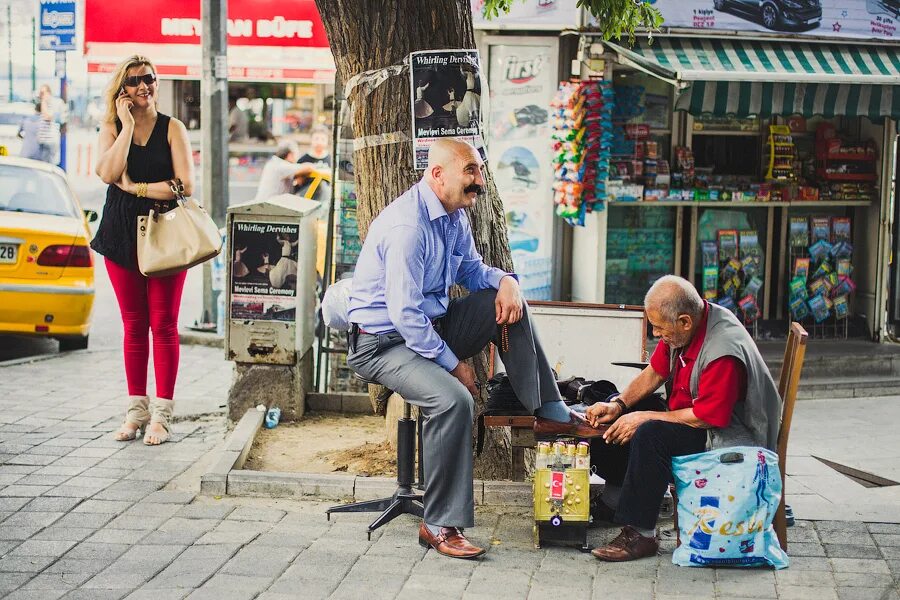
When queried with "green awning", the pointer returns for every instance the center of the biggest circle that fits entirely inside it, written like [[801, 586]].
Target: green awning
[[755, 77], [688, 59], [828, 100]]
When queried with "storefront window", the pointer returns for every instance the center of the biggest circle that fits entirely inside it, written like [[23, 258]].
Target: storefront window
[[640, 248]]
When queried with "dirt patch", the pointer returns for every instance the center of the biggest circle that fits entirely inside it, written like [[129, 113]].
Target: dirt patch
[[325, 443]]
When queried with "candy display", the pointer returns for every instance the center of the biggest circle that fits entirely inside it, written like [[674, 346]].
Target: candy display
[[782, 154], [581, 118]]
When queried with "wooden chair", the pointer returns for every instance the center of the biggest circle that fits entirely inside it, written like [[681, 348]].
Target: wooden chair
[[788, 382]]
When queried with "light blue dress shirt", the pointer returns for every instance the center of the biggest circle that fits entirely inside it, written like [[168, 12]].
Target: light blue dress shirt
[[413, 253]]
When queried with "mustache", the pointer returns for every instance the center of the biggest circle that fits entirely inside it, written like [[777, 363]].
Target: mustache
[[474, 187]]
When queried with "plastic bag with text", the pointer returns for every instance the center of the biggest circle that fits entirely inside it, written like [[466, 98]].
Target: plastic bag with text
[[727, 500]]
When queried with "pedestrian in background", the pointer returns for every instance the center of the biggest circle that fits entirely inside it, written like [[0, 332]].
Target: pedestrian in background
[[29, 130], [141, 150], [280, 172], [53, 117]]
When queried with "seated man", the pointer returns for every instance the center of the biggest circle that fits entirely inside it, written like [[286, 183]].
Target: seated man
[[408, 335], [721, 394]]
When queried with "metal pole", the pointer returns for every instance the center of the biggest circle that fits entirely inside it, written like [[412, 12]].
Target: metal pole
[[9, 27], [214, 122], [64, 96], [33, 57]]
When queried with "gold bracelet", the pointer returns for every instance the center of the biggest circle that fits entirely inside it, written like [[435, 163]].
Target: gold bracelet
[[140, 190]]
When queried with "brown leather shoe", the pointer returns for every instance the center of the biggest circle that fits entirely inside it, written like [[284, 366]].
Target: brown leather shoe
[[628, 545], [577, 427], [451, 542]]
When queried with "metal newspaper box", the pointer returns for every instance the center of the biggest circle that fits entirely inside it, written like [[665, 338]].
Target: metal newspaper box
[[271, 280]]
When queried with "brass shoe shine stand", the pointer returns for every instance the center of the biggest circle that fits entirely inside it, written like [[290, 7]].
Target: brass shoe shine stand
[[562, 493]]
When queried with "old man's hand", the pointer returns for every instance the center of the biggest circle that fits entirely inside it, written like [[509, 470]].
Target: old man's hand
[[623, 429], [509, 302], [601, 413]]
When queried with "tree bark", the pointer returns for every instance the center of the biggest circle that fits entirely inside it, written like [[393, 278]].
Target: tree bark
[[366, 36]]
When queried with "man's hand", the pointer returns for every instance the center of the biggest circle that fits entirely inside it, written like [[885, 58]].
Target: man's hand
[[466, 376], [623, 429], [601, 413], [509, 302]]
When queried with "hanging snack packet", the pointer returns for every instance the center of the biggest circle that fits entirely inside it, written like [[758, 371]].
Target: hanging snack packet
[[799, 309], [753, 286], [819, 251], [749, 308], [798, 288], [816, 287], [801, 267], [841, 307], [819, 308], [844, 268]]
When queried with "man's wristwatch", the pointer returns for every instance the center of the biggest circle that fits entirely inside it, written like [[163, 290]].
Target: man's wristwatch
[[621, 404]]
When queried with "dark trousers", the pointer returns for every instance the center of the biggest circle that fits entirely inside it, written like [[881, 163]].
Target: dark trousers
[[643, 467]]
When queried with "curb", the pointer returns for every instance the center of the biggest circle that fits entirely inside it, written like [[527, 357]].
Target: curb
[[227, 478], [201, 338], [233, 455]]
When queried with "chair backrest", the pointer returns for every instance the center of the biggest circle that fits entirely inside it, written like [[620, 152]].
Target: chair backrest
[[794, 353], [789, 382]]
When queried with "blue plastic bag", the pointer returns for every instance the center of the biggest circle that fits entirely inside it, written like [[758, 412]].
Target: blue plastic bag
[[727, 500]]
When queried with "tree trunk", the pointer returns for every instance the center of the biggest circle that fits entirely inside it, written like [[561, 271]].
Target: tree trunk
[[366, 36]]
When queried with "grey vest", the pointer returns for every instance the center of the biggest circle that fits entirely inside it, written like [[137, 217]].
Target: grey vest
[[756, 420]]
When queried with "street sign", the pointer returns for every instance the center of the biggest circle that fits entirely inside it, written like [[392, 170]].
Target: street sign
[[57, 25]]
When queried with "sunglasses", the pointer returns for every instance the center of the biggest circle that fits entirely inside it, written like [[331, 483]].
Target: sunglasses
[[135, 80]]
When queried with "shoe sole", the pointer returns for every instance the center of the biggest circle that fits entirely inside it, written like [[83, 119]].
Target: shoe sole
[[425, 544], [608, 559]]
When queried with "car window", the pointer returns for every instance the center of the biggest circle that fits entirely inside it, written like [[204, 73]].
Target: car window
[[33, 191]]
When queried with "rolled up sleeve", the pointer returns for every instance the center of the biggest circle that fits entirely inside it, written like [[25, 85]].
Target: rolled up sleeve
[[404, 260]]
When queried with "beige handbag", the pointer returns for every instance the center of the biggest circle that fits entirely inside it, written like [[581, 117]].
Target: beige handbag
[[176, 240]]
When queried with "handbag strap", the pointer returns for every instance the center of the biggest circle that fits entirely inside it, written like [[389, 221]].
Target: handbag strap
[[177, 187]]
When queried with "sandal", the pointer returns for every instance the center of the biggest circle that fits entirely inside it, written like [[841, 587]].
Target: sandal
[[160, 412], [137, 415]]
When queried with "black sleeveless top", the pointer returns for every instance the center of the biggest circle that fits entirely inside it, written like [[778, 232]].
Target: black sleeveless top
[[116, 237]]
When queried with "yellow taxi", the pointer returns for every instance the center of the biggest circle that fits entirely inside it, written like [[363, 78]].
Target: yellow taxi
[[46, 267]]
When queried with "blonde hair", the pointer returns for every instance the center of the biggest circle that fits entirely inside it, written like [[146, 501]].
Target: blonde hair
[[118, 80]]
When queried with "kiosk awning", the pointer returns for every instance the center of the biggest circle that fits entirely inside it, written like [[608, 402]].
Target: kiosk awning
[[756, 77], [766, 99]]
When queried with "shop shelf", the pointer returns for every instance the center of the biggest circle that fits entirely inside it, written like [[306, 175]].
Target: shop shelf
[[848, 156], [848, 176]]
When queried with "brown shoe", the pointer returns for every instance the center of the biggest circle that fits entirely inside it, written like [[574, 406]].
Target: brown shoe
[[451, 542], [577, 427], [628, 545]]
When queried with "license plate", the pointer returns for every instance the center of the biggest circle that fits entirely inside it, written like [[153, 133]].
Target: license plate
[[8, 253]]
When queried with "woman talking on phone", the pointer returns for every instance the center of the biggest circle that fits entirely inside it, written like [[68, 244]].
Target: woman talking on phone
[[141, 150]]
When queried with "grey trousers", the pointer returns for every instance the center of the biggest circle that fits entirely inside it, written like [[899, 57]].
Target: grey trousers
[[447, 406]]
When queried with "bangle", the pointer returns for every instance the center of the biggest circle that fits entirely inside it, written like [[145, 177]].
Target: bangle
[[140, 190], [622, 405]]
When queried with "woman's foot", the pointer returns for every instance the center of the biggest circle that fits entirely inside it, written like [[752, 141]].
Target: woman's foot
[[156, 434], [136, 417], [127, 432]]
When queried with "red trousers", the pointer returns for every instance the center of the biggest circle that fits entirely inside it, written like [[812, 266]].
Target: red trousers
[[148, 303]]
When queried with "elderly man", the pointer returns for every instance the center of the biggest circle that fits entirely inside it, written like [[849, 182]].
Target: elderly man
[[408, 335], [720, 395]]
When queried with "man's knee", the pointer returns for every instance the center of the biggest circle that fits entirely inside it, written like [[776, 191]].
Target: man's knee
[[458, 401]]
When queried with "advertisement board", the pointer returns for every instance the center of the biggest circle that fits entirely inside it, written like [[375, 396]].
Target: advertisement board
[[267, 40], [872, 19], [264, 271], [522, 81]]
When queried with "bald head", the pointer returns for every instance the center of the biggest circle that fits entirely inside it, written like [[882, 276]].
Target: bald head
[[454, 173], [445, 151], [672, 296]]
